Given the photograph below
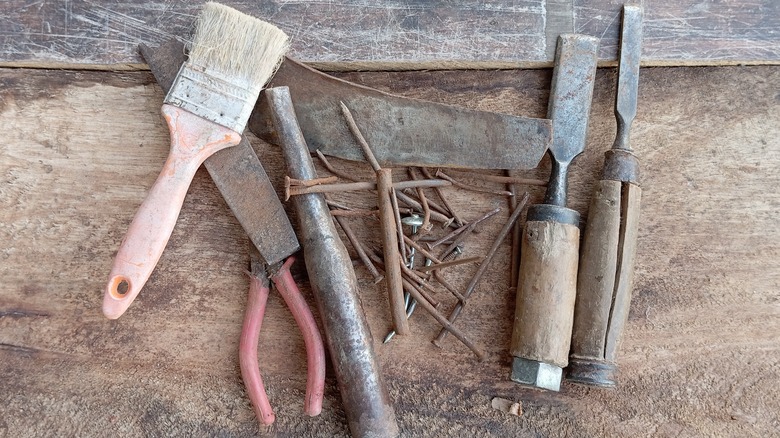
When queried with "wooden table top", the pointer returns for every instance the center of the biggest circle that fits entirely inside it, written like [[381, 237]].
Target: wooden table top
[[80, 148]]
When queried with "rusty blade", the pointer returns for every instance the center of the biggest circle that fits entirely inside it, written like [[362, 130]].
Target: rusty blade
[[238, 174], [401, 130]]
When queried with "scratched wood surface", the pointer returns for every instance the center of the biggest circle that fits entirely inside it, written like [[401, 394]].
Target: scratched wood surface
[[394, 34], [78, 151]]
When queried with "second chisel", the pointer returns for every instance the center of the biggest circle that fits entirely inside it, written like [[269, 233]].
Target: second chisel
[[608, 249]]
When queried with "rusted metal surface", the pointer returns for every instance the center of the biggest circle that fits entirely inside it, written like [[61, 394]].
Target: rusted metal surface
[[393, 283], [403, 131], [569, 108], [239, 176], [484, 265], [366, 401]]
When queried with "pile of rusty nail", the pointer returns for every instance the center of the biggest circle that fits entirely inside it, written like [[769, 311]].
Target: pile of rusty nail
[[407, 283]]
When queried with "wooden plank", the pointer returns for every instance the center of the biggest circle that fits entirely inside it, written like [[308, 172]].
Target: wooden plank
[[394, 34], [700, 355]]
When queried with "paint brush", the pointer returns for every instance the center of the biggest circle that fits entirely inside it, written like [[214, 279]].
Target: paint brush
[[232, 57]]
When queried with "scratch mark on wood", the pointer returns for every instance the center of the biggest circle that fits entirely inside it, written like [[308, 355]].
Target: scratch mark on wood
[[22, 313], [18, 348]]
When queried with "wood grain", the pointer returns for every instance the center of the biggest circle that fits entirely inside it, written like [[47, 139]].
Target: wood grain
[[700, 355], [395, 34]]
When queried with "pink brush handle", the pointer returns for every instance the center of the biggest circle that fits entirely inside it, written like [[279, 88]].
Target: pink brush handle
[[193, 139], [247, 350], [315, 351]]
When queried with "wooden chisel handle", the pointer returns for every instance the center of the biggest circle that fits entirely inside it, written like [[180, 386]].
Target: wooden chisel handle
[[546, 289], [609, 245], [605, 279], [193, 139]]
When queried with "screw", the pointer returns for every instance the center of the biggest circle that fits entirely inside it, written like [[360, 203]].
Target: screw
[[415, 221]]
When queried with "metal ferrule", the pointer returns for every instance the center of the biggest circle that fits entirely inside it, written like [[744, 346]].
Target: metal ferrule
[[553, 213], [536, 374], [621, 165], [224, 100], [591, 371]]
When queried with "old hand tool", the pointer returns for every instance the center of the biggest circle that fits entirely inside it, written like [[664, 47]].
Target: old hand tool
[[366, 400], [403, 131], [550, 245], [250, 334], [207, 108], [239, 176], [609, 246], [475, 139], [244, 184]]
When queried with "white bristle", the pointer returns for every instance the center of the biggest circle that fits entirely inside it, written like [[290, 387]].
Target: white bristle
[[235, 44]]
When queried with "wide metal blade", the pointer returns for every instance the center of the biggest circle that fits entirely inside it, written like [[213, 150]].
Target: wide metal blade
[[571, 93], [238, 174], [400, 130]]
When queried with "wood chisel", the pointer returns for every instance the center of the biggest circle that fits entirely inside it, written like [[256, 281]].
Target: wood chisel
[[233, 55], [550, 245], [609, 246]]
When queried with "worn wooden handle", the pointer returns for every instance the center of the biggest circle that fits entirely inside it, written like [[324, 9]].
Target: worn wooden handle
[[193, 139], [546, 291], [606, 270]]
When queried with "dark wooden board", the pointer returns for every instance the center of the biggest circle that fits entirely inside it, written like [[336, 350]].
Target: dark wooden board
[[79, 150], [395, 34]]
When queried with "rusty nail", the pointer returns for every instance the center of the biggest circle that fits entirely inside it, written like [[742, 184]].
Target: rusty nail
[[309, 182], [450, 263], [443, 321], [484, 265], [451, 211], [354, 213], [359, 137], [465, 234], [444, 176], [426, 223], [435, 215], [332, 169], [359, 185], [434, 207], [353, 239], [398, 223], [502, 179]]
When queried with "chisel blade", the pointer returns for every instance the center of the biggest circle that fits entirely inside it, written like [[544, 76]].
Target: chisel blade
[[628, 73]]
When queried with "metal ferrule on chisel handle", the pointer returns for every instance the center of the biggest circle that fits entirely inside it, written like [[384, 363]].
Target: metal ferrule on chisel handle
[[226, 101]]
